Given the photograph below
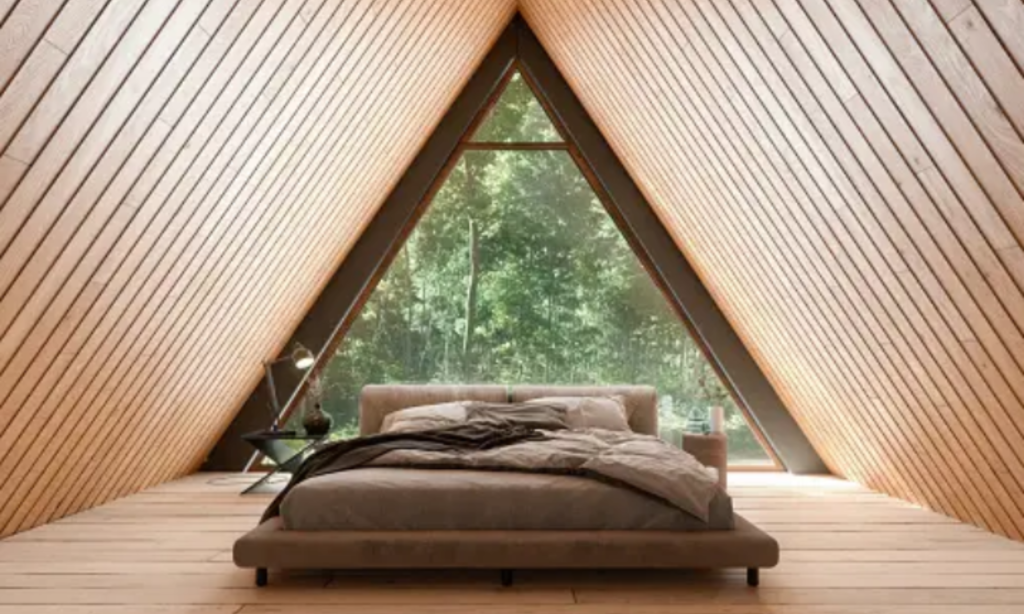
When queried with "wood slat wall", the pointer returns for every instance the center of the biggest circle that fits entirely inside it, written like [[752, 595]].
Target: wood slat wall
[[178, 179], [847, 178]]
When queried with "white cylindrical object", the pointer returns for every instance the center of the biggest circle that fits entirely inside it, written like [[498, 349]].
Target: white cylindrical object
[[717, 419]]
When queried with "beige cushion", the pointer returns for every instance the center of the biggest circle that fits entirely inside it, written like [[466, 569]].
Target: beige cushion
[[608, 412], [377, 401], [641, 401], [423, 417]]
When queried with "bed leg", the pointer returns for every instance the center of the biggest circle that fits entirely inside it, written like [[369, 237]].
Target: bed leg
[[261, 576], [506, 577], [753, 576]]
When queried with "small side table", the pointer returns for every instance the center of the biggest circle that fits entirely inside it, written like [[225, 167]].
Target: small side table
[[274, 445], [713, 448]]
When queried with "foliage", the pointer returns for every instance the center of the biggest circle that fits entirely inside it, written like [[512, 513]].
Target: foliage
[[517, 274], [517, 118]]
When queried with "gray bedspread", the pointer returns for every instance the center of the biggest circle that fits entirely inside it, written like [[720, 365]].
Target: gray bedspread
[[527, 439], [641, 462], [402, 499]]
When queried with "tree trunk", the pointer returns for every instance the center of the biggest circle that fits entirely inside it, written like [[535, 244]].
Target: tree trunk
[[474, 274]]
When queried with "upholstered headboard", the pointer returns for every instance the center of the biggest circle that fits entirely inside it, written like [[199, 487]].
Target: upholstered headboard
[[377, 401]]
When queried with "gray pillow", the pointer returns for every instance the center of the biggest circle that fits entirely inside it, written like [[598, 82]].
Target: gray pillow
[[424, 417], [608, 413], [550, 417]]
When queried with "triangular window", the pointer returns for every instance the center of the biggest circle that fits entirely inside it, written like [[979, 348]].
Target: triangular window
[[516, 273]]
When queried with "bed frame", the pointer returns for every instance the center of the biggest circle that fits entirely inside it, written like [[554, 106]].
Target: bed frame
[[271, 546]]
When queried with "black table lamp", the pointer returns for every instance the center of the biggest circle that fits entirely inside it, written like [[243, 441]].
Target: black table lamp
[[302, 359]]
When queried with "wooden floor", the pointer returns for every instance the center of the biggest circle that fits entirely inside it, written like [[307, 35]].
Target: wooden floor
[[846, 550]]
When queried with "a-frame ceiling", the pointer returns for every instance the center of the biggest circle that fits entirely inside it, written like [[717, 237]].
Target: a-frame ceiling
[[179, 180]]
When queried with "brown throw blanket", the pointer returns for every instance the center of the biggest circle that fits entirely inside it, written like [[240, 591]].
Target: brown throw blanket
[[489, 426]]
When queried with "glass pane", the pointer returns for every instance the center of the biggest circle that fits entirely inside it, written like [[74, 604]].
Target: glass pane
[[517, 117], [517, 274]]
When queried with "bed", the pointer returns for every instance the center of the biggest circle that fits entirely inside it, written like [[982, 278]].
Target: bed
[[463, 518]]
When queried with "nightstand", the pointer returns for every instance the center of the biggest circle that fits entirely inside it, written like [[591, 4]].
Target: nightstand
[[713, 449], [274, 446]]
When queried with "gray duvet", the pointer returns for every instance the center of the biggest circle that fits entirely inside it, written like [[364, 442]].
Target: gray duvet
[[579, 479], [402, 499], [641, 462]]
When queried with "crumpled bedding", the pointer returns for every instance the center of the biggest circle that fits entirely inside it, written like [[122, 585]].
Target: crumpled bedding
[[641, 462], [529, 438]]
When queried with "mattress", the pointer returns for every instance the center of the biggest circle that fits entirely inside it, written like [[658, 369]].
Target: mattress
[[385, 498]]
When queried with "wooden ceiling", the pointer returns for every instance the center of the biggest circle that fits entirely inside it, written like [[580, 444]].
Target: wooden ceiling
[[180, 178], [847, 178]]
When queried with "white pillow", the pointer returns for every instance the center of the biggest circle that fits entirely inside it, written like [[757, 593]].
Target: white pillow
[[608, 413], [424, 417]]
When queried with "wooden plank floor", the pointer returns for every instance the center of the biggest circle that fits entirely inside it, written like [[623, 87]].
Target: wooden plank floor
[[846, 550]]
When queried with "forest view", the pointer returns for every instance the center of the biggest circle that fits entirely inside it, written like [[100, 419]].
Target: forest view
[[517, 274]]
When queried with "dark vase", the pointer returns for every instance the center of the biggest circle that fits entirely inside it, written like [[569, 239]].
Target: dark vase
[[316, 421]]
